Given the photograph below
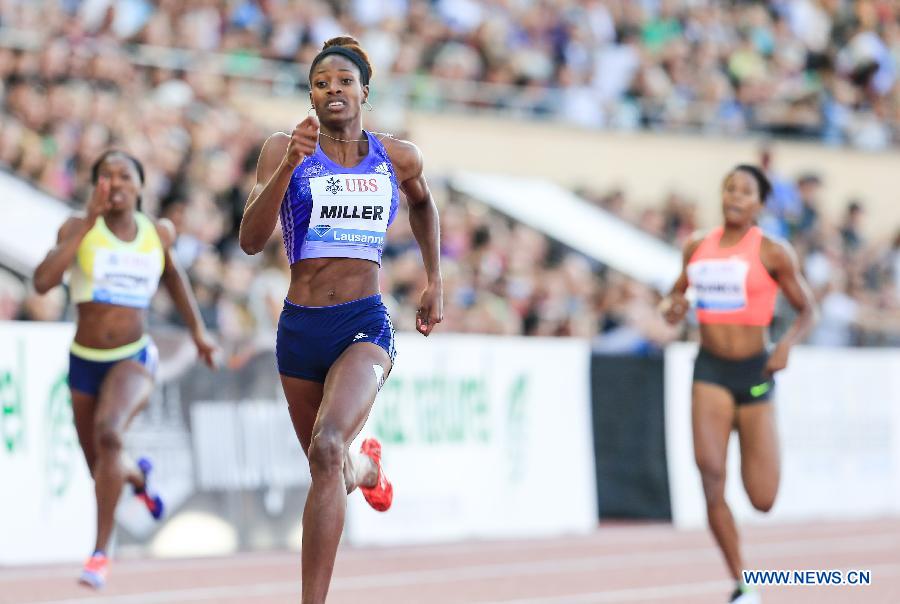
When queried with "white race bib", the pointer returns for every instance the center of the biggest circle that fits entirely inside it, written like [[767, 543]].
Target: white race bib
[[719, 285], [125, 278], [350, 209]]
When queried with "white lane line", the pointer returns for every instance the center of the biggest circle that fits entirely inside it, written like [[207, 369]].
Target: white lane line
[[649, 534], [494, 571], [141, 567], [215, 594], [127, 567], [291, 559], [631, 595], [604, 537], [670, 591]]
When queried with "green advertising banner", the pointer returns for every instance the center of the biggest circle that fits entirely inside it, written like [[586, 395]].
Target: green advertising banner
[[483, 437]]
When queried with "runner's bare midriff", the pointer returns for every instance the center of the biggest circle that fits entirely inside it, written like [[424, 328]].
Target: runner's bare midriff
[[105, 326], [329, 281], [732, 341]]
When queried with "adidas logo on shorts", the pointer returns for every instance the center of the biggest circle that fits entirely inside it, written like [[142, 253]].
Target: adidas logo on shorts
[[360, 336]]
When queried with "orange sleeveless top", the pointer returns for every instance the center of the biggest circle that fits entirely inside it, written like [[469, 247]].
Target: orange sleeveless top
[[731, 284]]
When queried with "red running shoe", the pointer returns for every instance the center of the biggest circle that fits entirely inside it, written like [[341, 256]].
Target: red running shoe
[[382, 494], [95, 570]]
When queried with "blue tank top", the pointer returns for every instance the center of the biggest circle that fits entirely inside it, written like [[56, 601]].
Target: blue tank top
[[330, 211]]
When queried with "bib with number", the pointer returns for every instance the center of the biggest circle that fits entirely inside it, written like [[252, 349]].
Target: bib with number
[[348, 210], [719, 284], [125, 278]]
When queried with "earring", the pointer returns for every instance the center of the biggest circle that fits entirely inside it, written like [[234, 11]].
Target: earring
[[368, 106], [311, 109]]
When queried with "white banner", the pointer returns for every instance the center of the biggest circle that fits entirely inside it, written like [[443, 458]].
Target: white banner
[[580, 225], [47, 510], [30, 221], [483, 437], [838, 414]]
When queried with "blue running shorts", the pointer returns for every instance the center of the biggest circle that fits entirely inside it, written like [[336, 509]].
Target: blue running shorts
[[311, 338]]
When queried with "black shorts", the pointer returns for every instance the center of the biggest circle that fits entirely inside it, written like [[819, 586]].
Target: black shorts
[[744, 379]]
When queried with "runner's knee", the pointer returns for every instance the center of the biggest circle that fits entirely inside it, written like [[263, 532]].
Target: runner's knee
[[712, 474], [108, 437], [326, 452]]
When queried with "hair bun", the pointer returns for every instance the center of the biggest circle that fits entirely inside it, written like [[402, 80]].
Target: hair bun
[[341, 41], [352, 44]]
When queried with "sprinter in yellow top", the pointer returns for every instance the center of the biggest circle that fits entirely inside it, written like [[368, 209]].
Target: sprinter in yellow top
[[116, 257]]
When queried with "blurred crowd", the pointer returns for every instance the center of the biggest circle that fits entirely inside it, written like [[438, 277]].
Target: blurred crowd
[[632, 62], [812, 68]]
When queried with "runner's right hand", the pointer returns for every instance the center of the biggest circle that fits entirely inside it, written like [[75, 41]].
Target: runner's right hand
[[99, 202], [303, 141], [674, 307]]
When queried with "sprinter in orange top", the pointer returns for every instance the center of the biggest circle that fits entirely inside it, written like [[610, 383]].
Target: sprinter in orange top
[[735, 272]]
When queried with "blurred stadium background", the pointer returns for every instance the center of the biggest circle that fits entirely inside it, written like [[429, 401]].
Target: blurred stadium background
[[572, 146]]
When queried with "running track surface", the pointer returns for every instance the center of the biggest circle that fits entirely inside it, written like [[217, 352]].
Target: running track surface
[[618, 563]]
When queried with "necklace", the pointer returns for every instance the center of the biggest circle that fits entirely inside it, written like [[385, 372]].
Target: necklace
[[343, 140]]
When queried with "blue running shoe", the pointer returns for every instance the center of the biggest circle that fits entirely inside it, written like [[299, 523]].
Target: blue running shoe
[[152, 500]]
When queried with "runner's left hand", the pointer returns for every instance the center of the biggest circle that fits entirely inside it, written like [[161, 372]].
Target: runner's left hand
[[778, 360], [207, 349], [431, 309]]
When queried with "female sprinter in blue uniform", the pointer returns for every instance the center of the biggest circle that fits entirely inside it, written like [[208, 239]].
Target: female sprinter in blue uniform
[[117, 256], [336, 188]]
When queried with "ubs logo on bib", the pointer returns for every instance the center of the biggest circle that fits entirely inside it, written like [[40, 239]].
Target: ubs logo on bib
[[349, 210], [351, 185], [362, 185], [333, 185]]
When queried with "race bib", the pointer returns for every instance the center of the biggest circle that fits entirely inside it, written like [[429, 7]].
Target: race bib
[[351, 209], [719, 285], [125, 278]]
